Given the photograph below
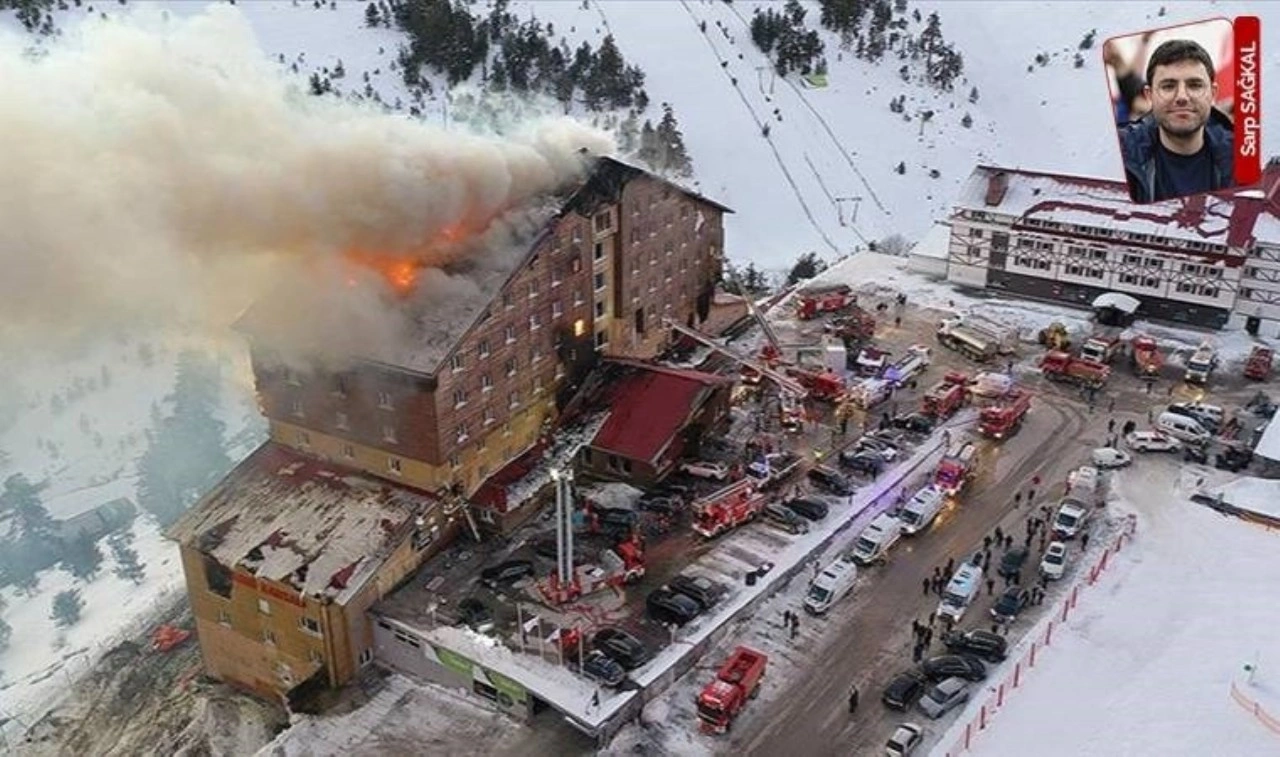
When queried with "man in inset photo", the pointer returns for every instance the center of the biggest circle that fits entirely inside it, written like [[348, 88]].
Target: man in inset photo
[[1183, 146]]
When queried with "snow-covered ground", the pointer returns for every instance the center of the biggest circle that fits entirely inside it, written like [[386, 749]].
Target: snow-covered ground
[[1146, 663], [86, 472]]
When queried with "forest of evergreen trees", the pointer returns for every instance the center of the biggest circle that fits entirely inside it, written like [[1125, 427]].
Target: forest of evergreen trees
[[783, 36], [872, 29]]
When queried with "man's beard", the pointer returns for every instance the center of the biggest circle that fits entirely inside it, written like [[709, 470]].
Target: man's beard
[[1175, 129]]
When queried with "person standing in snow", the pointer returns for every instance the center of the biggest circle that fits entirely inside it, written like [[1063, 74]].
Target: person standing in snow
[[853, 700]]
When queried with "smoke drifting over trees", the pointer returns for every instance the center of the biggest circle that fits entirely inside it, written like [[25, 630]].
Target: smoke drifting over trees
[[166, 169]]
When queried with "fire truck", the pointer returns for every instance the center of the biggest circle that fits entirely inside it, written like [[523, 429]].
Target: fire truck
[[1061, 366], [956, 469], [824, 386], [737, 681], [1258, 366], [728, 508], [1003, 420], [946, 397], [1147, 359], [1202, 363], [818, 301], [1101, 348]]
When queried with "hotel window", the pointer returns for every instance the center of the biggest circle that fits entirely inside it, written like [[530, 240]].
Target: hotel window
[[513, 399], [599, 308], [506, 300], [604, 221], [224, 617], [486, 383], [578, 297], [557, 309], [296, 407], [577, 234], [537, 385], [393, 464], [533, 289], [535, 355], [264, 606], [341, 421], [455, 462], [535, 322], [268, 636], [484, 348], [975, 233], [459, 397], [304, 439], [602, 339], [389, 433], [314, 655], [511, 366], [348, 451], [599, 251], [309, 625], [509, 333], [462, 432], [384, 400], [600, 281], [579, 327], [557, 275], [455, 363], [488, 416]]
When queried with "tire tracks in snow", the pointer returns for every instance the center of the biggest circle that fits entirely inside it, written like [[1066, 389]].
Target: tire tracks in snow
[[786, 173]]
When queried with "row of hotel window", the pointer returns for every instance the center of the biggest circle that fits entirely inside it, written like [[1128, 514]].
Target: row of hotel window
[[1188, 244], [1132, 279]]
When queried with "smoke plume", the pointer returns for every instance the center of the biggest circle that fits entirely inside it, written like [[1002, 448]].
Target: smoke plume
[[163, 168]]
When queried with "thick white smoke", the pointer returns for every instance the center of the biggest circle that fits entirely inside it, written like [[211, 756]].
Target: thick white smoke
[[165, 168]]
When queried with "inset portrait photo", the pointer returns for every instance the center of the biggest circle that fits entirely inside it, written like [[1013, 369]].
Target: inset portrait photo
[[1172, 94]]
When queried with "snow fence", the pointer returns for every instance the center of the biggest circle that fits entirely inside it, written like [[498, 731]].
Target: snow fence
[[977, 717], [1250, 705]]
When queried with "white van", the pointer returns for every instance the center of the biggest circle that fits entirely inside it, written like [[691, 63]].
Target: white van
[[1182, 427], [920, 511], [870, 392], [876, 539], [1071, 519], [961, 590], [831, 585], [1087, 486]]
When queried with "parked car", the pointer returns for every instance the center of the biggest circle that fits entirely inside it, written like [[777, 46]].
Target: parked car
[[616, 517], [780, 516], [1105, 458], [944, 697], [905, 688], [983, 644], [475, 615], [906, 737], [1010, 603], [863, 462], [830, 480], [506, 573], [809, 508], [704, 469], [1209, 416], [668, 489], [700, 589], [1054, 562], [602, 668], [1152, 441], [953, 666], [1011, 563], [662, 505], [885, 449], [622, 647], [1071, 518], [668, 607], [916, 423]]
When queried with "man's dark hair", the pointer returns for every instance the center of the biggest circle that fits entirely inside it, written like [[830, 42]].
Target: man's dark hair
[[1176, 51]]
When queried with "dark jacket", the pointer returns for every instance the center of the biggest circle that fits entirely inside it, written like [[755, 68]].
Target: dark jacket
[[1138, 146]]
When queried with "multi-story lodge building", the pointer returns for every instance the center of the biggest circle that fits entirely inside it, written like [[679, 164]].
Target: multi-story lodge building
[[365, 467], [1207, 260]]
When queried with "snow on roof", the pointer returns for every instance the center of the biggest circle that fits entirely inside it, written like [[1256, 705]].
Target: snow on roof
[[613, 495], [1259, 495], [1269, 444], [1224, 219], [300, 521], [1117, 300], [934, 243]]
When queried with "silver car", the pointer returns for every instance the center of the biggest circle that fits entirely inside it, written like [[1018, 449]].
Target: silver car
[[942, 698]]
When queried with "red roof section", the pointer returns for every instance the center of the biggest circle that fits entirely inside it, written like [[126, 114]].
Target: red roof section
[[649, 407]]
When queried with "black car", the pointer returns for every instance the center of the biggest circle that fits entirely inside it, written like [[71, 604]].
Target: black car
[[1010, 604], [475, 615], [947, 666], [621, 647], [661, 505], [916, 423], [1011, 563], [905, 688], [809, 508], [506, 573], [1233, 459], [863, 462], [984, 644], [600, 667], [831, 481], [887, 450], [616, 517], [666, 606], [700, 589], [1194, 454]]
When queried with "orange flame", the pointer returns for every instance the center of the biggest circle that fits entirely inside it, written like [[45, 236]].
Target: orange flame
[[402, 271]]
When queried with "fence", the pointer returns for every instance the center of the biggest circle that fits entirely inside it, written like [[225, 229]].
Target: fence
[[1251, 706], [1042, 638]]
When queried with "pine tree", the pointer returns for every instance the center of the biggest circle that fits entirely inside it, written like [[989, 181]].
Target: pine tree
[[806, 267], [672, 155], [23, 498], [128, 567], [967, 121], [81, 558], [67, 607], [973, 95], [371, 18], [648, 153]]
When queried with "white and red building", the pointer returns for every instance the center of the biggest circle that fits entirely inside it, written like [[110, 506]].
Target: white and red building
[[1210, 260]]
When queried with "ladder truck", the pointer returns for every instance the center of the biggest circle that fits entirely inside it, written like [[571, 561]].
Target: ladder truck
[[771, 352]]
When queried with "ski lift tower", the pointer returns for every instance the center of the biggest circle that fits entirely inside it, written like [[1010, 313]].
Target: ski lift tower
[[840, 209]]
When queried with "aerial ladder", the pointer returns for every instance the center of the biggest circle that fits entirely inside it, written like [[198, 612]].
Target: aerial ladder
[[787, 384], [771, 353]]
